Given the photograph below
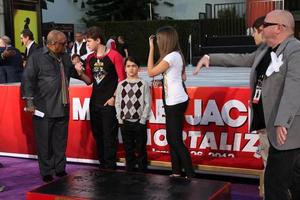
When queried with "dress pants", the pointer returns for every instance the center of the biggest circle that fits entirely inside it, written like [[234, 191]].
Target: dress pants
[[282, 175], [105, 131], [134, 137], [180, 155], [51, 136]]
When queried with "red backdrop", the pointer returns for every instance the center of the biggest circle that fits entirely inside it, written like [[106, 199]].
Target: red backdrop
[[257, 8], [215, 129]]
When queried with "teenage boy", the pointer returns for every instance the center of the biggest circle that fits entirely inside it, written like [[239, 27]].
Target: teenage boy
[[104, 68]]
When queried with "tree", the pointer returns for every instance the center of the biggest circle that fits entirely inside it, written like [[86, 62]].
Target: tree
[[119, 10]]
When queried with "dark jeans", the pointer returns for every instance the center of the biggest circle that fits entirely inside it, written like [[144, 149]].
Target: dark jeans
[[105, 130], [180, 156], [282, 175], [134, 137], [51, 136]]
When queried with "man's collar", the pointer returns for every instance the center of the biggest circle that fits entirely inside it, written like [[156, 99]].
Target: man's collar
[[45, 50], [29, 45], [283, 44]]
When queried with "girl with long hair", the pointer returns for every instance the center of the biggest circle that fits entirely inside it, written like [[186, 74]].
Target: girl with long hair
[[172, 66]]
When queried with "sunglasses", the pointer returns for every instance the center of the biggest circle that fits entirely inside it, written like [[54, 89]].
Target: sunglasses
[[267, 24]]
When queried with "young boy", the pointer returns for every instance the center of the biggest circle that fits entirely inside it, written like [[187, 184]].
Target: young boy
[[133, 105]]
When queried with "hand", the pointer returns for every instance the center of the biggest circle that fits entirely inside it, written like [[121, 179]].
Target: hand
[[203, 61], [110, 102], [151, 41], [281, 134], [156, 83], [79, 68], [29, 109], [24, 63]]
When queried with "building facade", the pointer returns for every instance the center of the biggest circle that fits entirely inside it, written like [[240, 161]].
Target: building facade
[[65, 12], [186, 9]]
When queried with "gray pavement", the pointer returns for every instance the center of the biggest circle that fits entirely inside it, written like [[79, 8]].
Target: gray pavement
[[213, 76]]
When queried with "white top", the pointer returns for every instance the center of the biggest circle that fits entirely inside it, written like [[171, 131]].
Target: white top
[[83, 57], [78, 48], [109, 42], [173, 83]]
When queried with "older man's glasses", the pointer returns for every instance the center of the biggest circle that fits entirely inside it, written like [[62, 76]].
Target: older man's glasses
[[267, 24], [62, 43]]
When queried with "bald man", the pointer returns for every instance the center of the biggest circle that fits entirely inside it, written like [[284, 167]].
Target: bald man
[[277, 86], [44, 86]]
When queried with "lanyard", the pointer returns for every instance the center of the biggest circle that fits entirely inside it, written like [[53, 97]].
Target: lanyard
[[258, 89]]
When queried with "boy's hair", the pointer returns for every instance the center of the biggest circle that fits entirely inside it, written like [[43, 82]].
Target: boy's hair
[[27, 33], [132, 59], [95, 33]]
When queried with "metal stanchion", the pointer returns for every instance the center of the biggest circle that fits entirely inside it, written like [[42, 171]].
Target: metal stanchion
[[190, 51]]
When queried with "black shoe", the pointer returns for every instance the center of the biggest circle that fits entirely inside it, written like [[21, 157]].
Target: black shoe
[[175, 176], [101, 166], [47, 178], [61, 174], [189, 177], [1, 165]]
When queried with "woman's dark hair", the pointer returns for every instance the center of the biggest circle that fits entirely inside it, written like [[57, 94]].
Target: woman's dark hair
[[258, 22], [167, 42], [132, 59], [95, 33]]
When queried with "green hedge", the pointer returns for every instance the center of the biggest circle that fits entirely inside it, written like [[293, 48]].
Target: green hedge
[[136, 34]]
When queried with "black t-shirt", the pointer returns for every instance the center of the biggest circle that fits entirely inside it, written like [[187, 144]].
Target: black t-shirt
[[121, 49], [258, 111], [105, 72]]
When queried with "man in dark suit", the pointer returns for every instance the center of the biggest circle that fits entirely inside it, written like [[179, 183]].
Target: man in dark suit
[[44, 86], [10, 62], [27, 39]]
